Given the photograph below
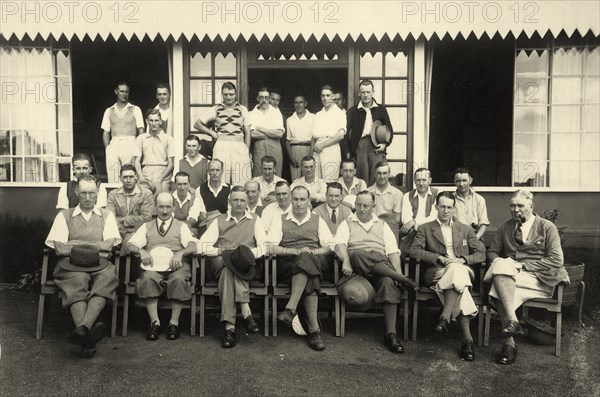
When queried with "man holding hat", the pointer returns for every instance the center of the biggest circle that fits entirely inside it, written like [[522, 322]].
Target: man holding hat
[[302, 241], [161, 245], [367, 246], [232, 243], [82, 238], [369, 133]]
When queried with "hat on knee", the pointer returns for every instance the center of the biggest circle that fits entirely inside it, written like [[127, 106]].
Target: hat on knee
[[241, 262]]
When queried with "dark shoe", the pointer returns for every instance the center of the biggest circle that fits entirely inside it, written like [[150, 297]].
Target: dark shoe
[[393, 343], [286, 317], [467, 351], [442, 326], [315, 341], [172, 332], [251, 326], [508, 355], [153, 332], [513, 328], [79, 334], [228, 338], [88, 349]]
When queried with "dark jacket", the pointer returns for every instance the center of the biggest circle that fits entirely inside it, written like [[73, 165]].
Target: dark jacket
[[355, 122]]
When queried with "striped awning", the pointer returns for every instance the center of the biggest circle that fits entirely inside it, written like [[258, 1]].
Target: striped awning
[[258, 20]]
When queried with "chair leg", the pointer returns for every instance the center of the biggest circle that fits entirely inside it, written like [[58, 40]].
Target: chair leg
[[274, 317], [193, 315], [113, 324], [405, 320], [125, 314], [486, 331], [40, 316], [415, 318], [480, 326], [337, 316], [266, 315], [342, 318], [580, 300], [558, 334], [202, 315]]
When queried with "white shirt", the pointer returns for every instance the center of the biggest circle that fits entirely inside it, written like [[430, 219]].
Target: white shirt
[[317, 188], [270, 212], [447, 233], [137, 113], [198, 159], [208, 240], [526, 228], [270, 118], [198, 207], [275, 234], [185, 235], [390, 246], [62, 202], [328, 123], [266, 187], [407, 210], [300, 130], [369, 119], [187, 198], [164, 116], [253, 210], [60, 230]]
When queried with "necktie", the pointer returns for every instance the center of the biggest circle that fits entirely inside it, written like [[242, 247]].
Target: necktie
[[519, 234], [333, 217], [161, 229]]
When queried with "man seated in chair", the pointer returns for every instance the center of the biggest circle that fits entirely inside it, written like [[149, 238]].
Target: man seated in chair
[[526, 262], [237, 228], [210, 198], [67, 194], [448, 249], [302, 242], [82, 238], [366, 245], [152, 243]]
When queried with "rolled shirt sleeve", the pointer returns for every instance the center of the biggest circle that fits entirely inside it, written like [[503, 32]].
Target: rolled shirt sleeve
[[139, 118], [325, 238], [206, 245], [260, 237], [482, 215], [389, 240], [185, 236], [197, 207], [343, 233], [139, 237], [208, 116], [275, 231]]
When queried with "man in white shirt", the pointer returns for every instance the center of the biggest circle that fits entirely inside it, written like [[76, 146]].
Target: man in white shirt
[[163, 95], [299, 135], [388, 199], [282, 204], [351, 185], [266, 128], [67, 195], [315, 185], [418, 207], [267, 179], [255, 204]]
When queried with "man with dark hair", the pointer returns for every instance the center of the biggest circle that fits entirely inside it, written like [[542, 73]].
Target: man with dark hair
[[332, 212], [302, 242], [470, 206], [67, 195], [351, 185], [267, 179], [183, 199], [132, 204], [210, 197], [228, 124], [448, 250], [357, 143], [82, 238], [255, 204], [266, 128], [163, 95], [339, 99], [315, 185], [388, 199], [417, 207], [282, 204], [299, 135], [194, 163], [120, 125], [229, 232]]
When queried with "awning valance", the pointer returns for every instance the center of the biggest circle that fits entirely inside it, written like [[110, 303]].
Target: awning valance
[[268, 19]]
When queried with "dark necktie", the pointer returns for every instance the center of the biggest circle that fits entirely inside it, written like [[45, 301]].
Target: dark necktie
[[333, 217], [161, 229], [519, 234]]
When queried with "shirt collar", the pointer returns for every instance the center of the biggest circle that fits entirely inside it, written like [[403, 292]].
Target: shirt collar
[[199, 155], [161, 135], [136, 190], [376, 190], [247, 215], [188, 197], [471, 194], [354, 218], [127, 105], [78, 211], [223, 184], [373, 105], [258, 204], [167, 222], [442, 225], [528, 222], [290, 217], [295, 115], [428, 192]]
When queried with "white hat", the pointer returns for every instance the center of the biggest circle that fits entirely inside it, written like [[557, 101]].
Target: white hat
[[161, 259]]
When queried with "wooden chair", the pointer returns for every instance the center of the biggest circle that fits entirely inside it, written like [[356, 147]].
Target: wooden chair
[[129, 290], [478, 293], [404, 306], [328, 289], [48, 287], [259, 287]]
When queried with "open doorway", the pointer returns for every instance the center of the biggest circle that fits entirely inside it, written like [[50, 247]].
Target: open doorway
[[96, 69]]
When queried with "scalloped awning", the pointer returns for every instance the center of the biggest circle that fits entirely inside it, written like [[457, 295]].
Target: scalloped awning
[[268, 19]]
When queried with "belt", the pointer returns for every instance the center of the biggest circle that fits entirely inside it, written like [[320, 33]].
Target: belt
[[235, 138], [299, 143]]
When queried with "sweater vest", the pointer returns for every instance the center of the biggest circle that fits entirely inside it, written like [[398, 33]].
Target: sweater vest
[[229, 121], [414, 202], [80, 229], [171, 239], [181, 213], [72, 194], [215, 203], [305, 235], [198, 173], [232, 234], [360, 239], [125, 126], [341, 213]]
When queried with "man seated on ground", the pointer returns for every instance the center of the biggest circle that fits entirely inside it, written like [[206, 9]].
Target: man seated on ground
[[388, 199], [210, 198], [351, 185], [526, 262], [164, 235], [302, 242], [283, 197], [471, 208], [332, 212], [417, 207], [232, 243], [267, 179], [82, 238], [183, 199], [315, 185], [448, 250], [132, 204], [194, 163], [255, 204], [367, 246], [67, 195]]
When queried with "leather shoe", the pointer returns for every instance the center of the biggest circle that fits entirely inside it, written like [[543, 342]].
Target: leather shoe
[[228, 339], [78, 335], [513, 328], [153, 332], [251, 326], [393, 343], [467, 352], [442, 325], [286, 317], [508, 355], [172, 332], [88, 349], [315, 341]]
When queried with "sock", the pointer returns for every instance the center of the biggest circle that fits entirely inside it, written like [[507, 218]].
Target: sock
[[245, 308], [152, 308], [94, 308], [78, 311], [298, 284], [450, 301], [311, 303], [505, 288], [229, 326], [176, 307], [389, 314], [465, 327]]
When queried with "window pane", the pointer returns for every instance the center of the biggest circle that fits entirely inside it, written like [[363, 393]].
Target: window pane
[[531, 90], [49, 169], [397, 150], [397, 168], [201, 92], [371, 66], [592, 90], [398, 118], [396, 66], [592, 63], [395, 92], [63, 63], [590, 175], [27, 170], [377, 86], [200, 65], [536, 63], [564, 174], [5, 169], [63, 89], [566, 90], [530, 173], [4, 143], [590, 146], [567, 62], [225, 66], [196, 112], [43, 142], [531, 119], [531, 146], [566, 118], [65, 122], [592, 118], [565, 147]]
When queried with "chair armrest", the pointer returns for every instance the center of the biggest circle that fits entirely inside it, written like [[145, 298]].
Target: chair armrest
[[559, 292], [44, 276], [195, 265], [127, 268], [337, 269]]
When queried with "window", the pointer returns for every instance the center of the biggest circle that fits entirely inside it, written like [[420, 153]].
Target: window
[[35, 121], [556, 117]]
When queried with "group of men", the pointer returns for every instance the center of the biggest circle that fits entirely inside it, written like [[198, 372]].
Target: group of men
[[305, 224]]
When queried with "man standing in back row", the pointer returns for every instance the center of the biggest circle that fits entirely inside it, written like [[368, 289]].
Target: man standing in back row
[[266, 127]]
